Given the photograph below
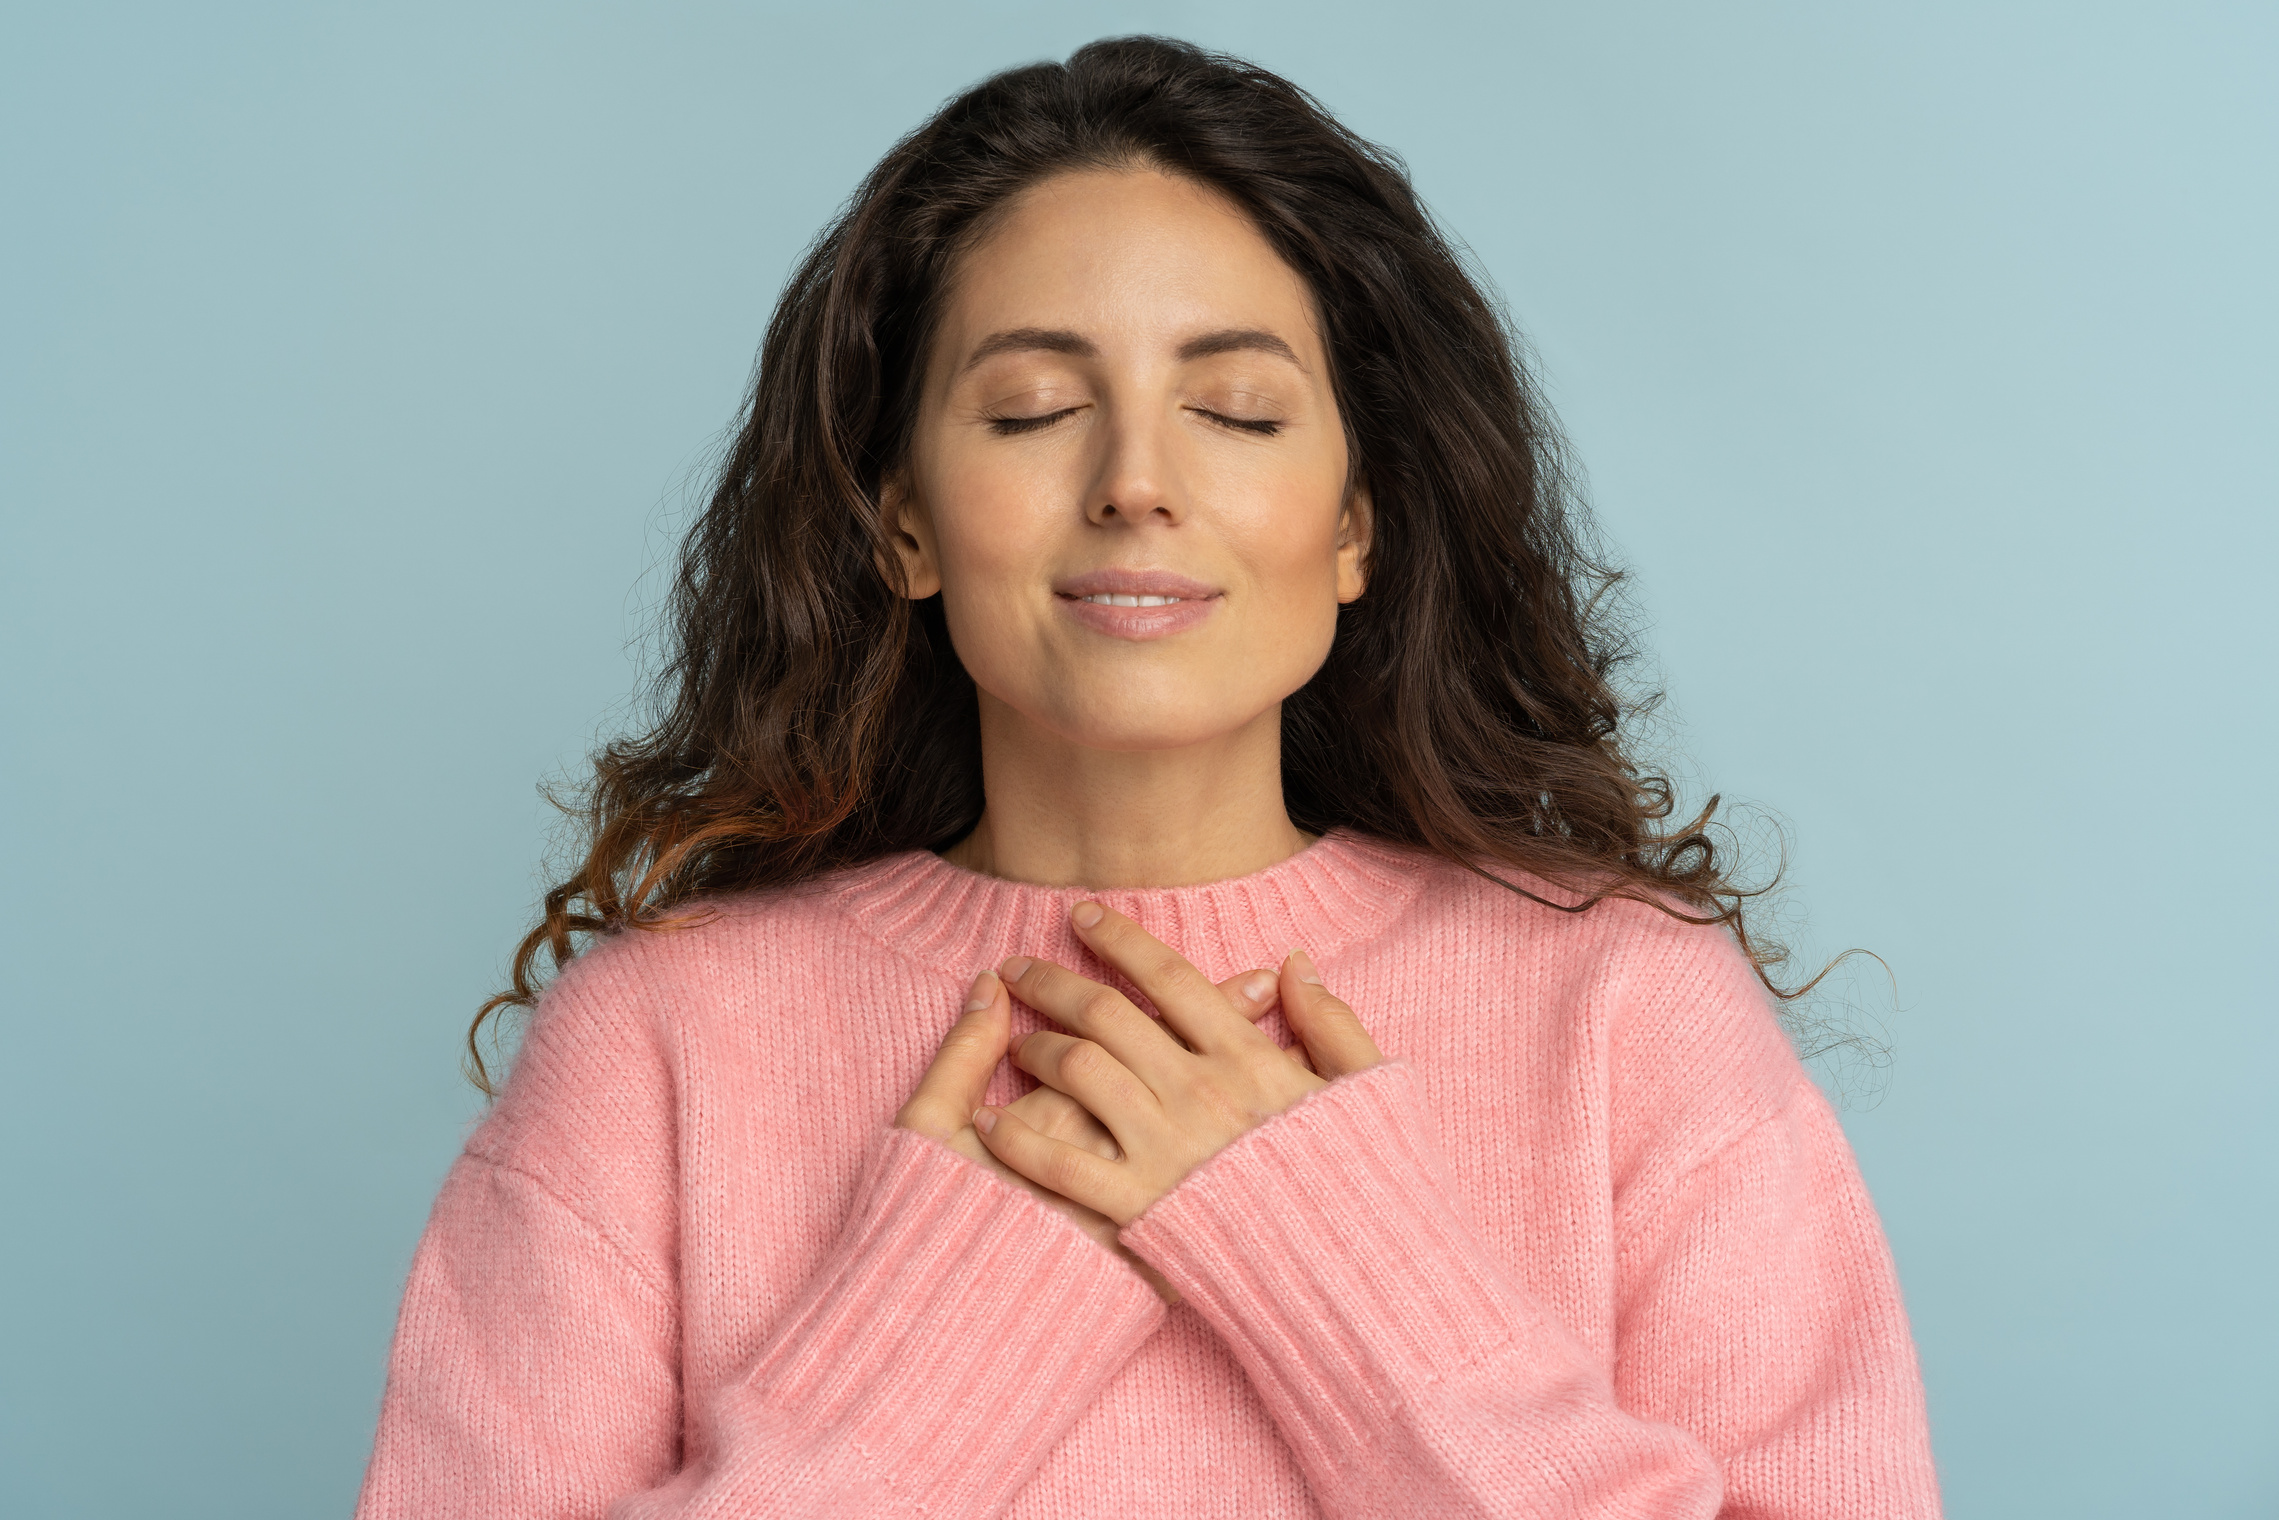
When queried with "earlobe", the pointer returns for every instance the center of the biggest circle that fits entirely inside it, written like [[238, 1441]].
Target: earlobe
[[912, 569]]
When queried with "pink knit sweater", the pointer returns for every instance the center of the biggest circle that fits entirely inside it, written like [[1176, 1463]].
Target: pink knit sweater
[[1588, 1242]]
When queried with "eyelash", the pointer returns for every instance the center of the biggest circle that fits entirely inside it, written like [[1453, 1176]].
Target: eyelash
[[1011, 426], [1006, 426], [1263, 427]]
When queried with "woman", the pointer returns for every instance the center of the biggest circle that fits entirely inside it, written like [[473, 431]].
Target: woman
[[1145, 575]]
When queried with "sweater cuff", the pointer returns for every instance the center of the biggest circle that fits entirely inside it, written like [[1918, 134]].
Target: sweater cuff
[[1326, 1247], [956, 1331]]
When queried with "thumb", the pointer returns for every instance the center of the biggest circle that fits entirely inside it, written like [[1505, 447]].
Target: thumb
[[951, 1089], [1332, 1031]]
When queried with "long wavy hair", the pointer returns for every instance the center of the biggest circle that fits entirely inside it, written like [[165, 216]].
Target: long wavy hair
[[810, 716]]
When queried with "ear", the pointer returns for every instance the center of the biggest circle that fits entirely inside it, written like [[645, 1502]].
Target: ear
[[913, 565], [1354, 522]]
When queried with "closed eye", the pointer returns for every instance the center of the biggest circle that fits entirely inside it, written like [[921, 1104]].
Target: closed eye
[[1008, 426], [1264, 427], [1012, 426]]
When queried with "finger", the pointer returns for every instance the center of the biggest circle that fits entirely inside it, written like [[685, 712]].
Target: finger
[[1254, 994], [1057, 1114], [1104, 1085], [951, 1089], [1331, 1031], [1100, 1014], [1189, 1001], [1075, 1174]]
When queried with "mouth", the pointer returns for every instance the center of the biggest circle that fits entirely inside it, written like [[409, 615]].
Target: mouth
[[1111, 599], [1136, 604], [1133, 588]]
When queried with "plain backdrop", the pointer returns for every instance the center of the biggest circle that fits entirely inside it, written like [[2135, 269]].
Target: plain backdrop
[[358, 366]]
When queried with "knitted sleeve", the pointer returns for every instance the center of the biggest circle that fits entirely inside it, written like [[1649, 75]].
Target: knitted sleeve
[[951, 1332], [956, 1331], [1762, 1368]]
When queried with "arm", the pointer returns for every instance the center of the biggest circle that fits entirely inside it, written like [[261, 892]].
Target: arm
[[1763, 1367], [1760, 1309], [535, 1371], [1406, 1370], [1311, 1223], [953, 1331]]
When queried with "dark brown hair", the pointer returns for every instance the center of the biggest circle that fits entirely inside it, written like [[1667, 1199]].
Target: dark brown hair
[[810, 716]]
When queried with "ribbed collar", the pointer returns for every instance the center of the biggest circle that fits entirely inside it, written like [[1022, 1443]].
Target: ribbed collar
[[1343, 889]]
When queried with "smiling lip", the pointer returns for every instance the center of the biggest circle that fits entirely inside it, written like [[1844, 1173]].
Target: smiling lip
[[1179, 603]]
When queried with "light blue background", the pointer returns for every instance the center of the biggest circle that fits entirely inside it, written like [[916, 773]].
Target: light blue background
[[356, 366]]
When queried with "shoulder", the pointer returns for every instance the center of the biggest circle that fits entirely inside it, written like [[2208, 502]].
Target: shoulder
[[1691, 1043], [603, 1059], [1622, 943]]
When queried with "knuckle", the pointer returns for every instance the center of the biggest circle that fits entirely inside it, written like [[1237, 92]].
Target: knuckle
[[928, 1116], [1063, 1168], [1099, 1005], [962, 1044], [1046, 1106], [1258, 1065], [1167, 966], [1223, 1110]]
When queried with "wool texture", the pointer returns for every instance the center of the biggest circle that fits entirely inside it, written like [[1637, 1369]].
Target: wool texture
[[1588, 1242]]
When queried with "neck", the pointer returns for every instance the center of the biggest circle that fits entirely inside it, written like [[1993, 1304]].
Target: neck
[[1061, 814]]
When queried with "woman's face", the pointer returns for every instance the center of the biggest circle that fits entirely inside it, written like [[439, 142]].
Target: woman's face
[[1128, 399]]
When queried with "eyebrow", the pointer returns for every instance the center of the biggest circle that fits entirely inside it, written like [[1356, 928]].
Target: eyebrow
[[1059, 340], [1032, 339], [1235, 340]]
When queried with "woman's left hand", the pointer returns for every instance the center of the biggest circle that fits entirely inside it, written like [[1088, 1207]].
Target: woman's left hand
[[1170, 1106]]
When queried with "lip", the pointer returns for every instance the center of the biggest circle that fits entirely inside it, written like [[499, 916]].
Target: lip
[[1195, 604], [1119, 582]]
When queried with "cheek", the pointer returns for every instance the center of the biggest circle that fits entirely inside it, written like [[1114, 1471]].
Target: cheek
[[1291, 546], [991, 528], [1301, 620], [1290, 558]]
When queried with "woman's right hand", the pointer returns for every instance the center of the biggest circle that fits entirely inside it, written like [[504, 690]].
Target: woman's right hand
[[952, 1089]]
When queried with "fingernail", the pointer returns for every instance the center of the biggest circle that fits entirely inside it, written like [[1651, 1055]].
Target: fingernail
[[1256, 987], [1017, 967], [984, 1120], [1086, 914], [1305, 965], [984, 992]]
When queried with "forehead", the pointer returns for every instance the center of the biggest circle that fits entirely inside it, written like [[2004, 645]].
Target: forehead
[[1129, 257]]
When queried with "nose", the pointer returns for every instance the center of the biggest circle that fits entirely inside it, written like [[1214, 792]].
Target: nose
[[1137, 478]]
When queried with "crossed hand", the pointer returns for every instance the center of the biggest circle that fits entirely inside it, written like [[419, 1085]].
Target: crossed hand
[[1129, 1104]]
